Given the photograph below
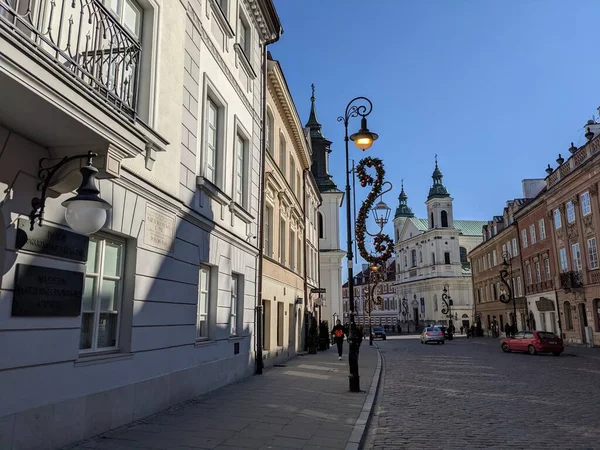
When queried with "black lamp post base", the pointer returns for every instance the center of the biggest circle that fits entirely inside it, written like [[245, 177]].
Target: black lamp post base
[[353, 378]]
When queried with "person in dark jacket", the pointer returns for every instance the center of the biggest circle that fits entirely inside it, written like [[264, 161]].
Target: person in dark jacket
[[339, 332]]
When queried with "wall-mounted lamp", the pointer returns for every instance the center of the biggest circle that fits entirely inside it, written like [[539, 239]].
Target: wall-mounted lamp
[[85, 212]]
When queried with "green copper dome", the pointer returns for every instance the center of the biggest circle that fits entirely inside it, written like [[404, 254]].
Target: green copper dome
[[437, 190], [403, 210]]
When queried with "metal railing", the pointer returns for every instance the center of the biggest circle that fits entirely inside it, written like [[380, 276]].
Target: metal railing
[[83, 39], [571, 280]]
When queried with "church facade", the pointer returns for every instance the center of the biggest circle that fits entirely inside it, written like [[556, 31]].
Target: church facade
[[431, 254]]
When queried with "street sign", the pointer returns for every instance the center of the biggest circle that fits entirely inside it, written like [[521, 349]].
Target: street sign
[[318, 291]]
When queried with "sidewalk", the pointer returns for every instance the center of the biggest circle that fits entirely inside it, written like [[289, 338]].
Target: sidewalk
[[304, 405]]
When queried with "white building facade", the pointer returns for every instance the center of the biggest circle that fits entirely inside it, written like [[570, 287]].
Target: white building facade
[[330, 254], [432, 254], [158, 306]]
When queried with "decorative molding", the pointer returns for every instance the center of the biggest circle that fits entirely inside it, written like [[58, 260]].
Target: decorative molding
[[550, 215], [241, 56], [219, 14], [240, 212], [575, 200], [561, 208], [212, 190], [588, 224], [572, 232], [593, 189]]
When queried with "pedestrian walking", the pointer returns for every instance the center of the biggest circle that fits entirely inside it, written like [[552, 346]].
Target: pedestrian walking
[[339, 332]]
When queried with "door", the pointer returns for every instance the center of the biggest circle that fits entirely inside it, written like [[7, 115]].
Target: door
[[583, 322]]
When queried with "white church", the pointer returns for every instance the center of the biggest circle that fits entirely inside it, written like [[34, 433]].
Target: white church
[[431, 254]]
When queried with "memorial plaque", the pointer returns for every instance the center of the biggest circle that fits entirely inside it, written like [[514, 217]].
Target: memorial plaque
[[159, 228], [236, 348], [52, 241], [45, 292]]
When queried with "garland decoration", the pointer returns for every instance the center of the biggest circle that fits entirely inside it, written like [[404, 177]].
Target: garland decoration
[[383, 243]]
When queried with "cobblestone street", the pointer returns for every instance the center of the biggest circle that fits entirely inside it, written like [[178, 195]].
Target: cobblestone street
[[467, 394]]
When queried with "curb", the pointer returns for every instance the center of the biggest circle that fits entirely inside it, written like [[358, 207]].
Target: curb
[[360, 427]]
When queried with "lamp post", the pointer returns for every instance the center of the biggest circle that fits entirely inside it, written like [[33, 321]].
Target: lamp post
[[85, 212], [363, 140], [405, 313], [447, 308], [507, 294]]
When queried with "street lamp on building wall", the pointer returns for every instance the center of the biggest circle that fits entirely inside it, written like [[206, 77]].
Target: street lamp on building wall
[[447, 308], [359, 106], [506, 292]]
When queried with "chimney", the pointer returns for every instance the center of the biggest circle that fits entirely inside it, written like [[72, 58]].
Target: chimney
[[532, 187]]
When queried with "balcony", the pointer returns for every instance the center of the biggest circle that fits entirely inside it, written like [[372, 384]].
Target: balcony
[[84, 41], [542, 286], [571, 280]]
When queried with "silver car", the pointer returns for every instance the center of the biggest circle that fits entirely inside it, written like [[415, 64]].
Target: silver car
[[432, 334]]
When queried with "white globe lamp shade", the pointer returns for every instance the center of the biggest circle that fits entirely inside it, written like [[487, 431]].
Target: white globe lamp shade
[[85, 217]]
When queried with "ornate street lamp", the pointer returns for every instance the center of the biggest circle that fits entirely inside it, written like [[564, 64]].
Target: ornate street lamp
[[363, 140], [447, 308], [85, 212], [405, 312], [381, 213], [506, 292]]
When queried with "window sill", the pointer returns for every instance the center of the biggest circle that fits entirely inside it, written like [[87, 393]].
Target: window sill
[[240, 212], [219, 14], [212, 190], [204, 343], [241, 56], [238, 338], [89, 359]]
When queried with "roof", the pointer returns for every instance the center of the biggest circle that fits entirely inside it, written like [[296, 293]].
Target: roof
[[466, 227]]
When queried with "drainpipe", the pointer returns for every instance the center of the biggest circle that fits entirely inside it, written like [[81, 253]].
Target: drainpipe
[[261, 209], [304, 262]]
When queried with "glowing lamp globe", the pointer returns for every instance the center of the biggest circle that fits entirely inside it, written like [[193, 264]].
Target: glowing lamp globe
[[364, 138]]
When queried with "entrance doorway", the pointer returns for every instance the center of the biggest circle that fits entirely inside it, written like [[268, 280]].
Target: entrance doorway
[[582, 320]]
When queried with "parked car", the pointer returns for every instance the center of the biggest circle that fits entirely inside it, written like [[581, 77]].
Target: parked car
[[379, 332], [432, 334], [533, 342], [443, 328]]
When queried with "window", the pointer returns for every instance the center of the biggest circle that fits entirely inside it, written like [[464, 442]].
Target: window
[[420, 256], [300, 268], [547, 268], [237, 297], [292, 250], [128, 13], [463, 255], [592, 253], [212, 141], [519, 287], [298, 185], [447, 258], [405, 261], [576, 256], [515, 248], [489, 261], [268, 231], [529, 280], [570, 212], [532, 233], [282, 241], [562, 254], [282, 154], [433, 258], [495, 258], [269, 133], [203, 303], [444, 219], [524, 238], [223, 5], [292, 177], [101, 302], [586, 206], [241, 183], [542, 227], [432, 221], [568, 316], [495, 291], [244, 36], [557, 219], [413, 257], [320, 224], [503, 249], [538, 272]]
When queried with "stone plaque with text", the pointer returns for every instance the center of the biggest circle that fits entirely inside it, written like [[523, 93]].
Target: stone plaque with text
[[159, 228], [43, 291], [52, 241]]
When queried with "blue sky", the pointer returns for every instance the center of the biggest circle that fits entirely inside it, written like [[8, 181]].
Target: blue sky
[[496, 88]]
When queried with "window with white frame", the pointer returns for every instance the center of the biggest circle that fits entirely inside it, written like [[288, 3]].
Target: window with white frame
[[211, 144], [524, 238], [586, 205], [102, 295], [503, 249], [515, 248], [241, 169], [532, 233], [547, 268], [268, 231], [292, 250], [538, 272], [244, 35], [562, 256], [300, 268], [202, 324], [519, 287], [237, 297], [495, 257], [270, 128], [557, 219], [292, 177], [224, 6], [282, 154], [529, 279], [570, 212], [542, 228], [489, 260], [592, 253], [282, 234], [576, 254]]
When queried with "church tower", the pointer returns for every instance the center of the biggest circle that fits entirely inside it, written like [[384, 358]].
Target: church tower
[[330, 253], [403, 212], [439, 202]]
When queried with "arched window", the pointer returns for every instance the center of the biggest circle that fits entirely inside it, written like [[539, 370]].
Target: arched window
[[413, 257], [432, 221], [463, 255], [270, 133], [568, 316], [444, 219], [320, 224]]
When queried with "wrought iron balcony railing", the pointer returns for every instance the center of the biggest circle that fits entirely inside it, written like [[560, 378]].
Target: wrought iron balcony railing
[[83, 39], [571, 280]]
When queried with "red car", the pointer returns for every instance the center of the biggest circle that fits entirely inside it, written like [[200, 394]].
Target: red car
[[534, 342]]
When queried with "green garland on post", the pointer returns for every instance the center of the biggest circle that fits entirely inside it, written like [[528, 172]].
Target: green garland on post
[[383, 243]]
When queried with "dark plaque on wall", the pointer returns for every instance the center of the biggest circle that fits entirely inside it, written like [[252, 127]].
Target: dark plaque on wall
[[236, 348], [43, 292], [52, 241]]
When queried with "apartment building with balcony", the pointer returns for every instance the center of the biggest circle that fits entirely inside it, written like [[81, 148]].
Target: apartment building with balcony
[[290, 270], [431, 254], [158, 306]]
